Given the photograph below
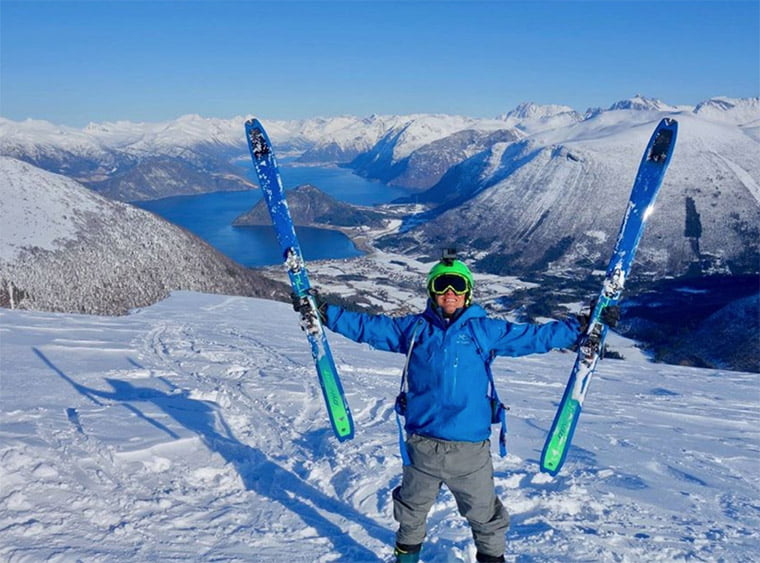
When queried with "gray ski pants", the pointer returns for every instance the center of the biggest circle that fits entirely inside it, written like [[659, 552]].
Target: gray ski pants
[[467, 470]]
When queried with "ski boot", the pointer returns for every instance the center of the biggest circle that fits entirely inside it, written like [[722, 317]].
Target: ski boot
[[407, 553], [483, 558]]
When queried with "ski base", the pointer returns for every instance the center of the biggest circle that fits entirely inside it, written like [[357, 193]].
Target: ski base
[[274, 195], [648, 180]]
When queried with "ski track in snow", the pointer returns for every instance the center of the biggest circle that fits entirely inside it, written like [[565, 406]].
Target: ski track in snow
[[743, 176], [195, 430]]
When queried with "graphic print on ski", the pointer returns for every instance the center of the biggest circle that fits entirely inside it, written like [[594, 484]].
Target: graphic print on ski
[[645, 187], [274, 195]]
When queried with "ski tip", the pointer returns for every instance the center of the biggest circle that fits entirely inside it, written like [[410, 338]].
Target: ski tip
[[661, 145], [669, 124], [252, 123]]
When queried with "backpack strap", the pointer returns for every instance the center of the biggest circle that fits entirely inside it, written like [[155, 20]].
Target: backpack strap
[[400, 406], [498, 410]]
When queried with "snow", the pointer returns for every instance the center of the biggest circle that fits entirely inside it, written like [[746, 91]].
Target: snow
[[532, 118], [424, 129], [416, 130], [744, 177], [194, 429], [65, 248], [731, 110], [25, 224]]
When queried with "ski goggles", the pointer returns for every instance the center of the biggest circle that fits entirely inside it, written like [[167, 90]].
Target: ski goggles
[[446, 282]]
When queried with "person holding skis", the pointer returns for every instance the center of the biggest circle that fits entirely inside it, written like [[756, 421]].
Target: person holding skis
[[451, 401]]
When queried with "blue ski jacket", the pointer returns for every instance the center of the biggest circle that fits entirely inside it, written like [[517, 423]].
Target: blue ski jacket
[[448, 395]]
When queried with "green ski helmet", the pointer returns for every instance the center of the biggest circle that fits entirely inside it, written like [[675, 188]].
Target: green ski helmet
[[454, 267]]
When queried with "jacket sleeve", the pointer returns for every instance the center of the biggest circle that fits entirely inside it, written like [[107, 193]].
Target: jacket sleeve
[[511, 339], [379, 331]]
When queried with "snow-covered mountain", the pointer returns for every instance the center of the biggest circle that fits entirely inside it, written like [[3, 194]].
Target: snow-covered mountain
[[745, 113], [139, 161], [403, 158], [339, 139], [532, 117], [642, 103], [309, 205], [194, 430], [555, 199], [65, 248], [557, 124], [133, 161], [540, 187]]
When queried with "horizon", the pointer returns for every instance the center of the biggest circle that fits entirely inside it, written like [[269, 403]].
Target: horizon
[[606, 107], [74, 63]]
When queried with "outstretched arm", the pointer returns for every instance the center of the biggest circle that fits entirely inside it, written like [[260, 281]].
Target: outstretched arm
[[511, 339], [379, 331]]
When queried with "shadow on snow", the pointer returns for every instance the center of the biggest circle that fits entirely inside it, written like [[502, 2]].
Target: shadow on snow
[[258, 473]]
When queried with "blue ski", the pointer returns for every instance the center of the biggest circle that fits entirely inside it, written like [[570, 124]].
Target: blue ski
[[645, 187], [274, 195]]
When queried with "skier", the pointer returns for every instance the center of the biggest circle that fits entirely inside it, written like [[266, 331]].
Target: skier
[[448, 406]]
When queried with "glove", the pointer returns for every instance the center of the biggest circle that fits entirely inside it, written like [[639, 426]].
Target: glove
[[610, 316], [400, 405], [302, 306]]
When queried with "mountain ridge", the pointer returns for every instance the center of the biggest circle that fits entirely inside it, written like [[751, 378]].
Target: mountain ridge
[[308, 205], [489, 180], [545, 202], [67, 249]]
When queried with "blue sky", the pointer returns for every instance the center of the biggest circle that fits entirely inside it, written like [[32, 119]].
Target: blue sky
[[76, 62]]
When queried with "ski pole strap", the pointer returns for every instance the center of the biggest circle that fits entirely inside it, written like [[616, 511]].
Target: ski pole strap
[[503, 430], [402, 442], [498, 410], [400, 406], [498, 415], [409, 353]]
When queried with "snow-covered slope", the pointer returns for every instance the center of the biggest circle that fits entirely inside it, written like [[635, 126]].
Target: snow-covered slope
[[745, 113], [391, 159], [170, 137], [532, 117], [194, 430], [639, 102], [65, 248], [540, 187], [134, 161], [192, 154], [556, 198]]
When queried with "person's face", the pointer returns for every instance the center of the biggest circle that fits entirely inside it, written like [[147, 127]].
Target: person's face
[[449, 302]]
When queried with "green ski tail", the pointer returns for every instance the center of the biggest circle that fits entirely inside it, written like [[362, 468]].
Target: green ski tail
[[340, 416], [559, 441]]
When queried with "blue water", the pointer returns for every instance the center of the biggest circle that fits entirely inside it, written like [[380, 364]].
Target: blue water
[[210, 216], [340, 183]]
